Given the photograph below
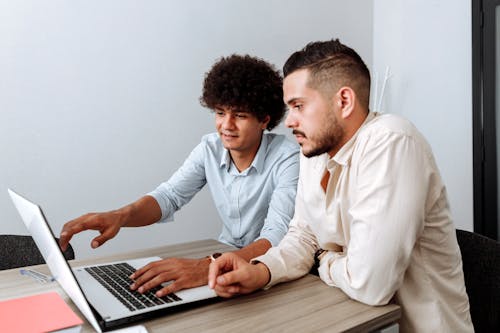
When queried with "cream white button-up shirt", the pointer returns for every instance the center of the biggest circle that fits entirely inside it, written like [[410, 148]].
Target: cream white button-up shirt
[[386, 207]]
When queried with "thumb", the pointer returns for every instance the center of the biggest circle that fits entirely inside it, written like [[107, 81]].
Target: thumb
[[229, 278], [105, 235], [98, 241]]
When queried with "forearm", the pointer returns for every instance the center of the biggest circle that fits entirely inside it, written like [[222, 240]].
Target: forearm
[[255, 249], [288, 262], [142, 212]]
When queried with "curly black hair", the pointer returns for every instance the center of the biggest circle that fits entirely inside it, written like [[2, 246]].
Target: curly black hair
[[245, 83]]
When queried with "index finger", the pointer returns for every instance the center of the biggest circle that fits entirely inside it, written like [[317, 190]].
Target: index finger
[[142, 270], [67, 232], [218, 266]]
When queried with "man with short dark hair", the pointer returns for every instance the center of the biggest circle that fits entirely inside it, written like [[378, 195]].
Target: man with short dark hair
[[252, 176], [371, 208]]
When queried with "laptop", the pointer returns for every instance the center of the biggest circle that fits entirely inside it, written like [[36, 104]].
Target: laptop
[[101, 291]]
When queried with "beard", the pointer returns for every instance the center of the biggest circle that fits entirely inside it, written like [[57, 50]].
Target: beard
[[326, 139]]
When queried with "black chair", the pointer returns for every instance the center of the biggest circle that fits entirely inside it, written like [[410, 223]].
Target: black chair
[[19, 251], [481, 265]]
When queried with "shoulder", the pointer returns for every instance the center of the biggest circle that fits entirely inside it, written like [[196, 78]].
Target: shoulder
[[279, 155], [280, 143], [385, 129], [210, 144], [211, 141], [390, 123]]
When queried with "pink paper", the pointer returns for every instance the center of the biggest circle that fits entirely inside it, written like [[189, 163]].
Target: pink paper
[[36, 313]]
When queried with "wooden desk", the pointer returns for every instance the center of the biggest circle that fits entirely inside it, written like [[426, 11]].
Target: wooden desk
[[304, 305]]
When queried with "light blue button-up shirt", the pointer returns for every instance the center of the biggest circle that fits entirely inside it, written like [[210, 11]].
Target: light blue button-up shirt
[[253, 204]]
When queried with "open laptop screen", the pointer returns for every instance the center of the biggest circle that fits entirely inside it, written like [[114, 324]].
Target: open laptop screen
[[39, 229]]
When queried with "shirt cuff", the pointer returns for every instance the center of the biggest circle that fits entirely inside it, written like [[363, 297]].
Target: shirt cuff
[[163, 206], [325, 267], [270, 237], [273, 267]]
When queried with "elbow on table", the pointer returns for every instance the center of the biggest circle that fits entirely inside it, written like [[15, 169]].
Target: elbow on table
[[374, 296]]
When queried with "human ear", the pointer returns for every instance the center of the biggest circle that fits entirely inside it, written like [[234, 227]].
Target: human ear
[[346, 99], [265, 122]]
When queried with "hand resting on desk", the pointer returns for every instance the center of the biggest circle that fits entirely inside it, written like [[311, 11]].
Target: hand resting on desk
[[231, 275]]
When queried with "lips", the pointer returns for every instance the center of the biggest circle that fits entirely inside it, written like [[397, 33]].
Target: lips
[[299, 136], [227, 136], [298, 133], [300, 139]]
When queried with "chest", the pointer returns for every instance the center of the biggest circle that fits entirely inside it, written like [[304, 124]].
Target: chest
[[328, 195]]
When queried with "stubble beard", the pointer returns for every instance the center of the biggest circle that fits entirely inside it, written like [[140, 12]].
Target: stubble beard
[[327, 139]]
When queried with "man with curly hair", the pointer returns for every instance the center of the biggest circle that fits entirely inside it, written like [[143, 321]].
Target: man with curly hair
[[252, 176]]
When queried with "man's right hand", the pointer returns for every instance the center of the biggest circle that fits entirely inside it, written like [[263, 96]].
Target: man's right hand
[[144, 211], [108, 224], [231, 275]]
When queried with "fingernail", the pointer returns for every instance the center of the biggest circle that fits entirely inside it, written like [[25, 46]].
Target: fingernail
[[159, 294], [132, 286], [220, 280], [141, 289]]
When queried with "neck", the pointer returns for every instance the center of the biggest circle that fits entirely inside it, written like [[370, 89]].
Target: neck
[[350, 128], [241, 162], [243, 159]]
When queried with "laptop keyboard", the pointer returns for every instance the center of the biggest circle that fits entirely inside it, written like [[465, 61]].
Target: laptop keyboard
[[115, 278]]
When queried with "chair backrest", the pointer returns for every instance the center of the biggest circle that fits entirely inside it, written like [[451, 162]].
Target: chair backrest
[[19, 251], [481, 265]]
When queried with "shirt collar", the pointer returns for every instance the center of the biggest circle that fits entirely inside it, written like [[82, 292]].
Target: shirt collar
[[260, 157], [225, 160], [258, 160], [343, 156]]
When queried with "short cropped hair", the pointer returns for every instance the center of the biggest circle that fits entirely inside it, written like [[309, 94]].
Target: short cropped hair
[[247, 84], [332, 65]]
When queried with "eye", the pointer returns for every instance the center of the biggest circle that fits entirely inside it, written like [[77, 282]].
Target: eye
[[240, 115], [219, 113], [298, 107]]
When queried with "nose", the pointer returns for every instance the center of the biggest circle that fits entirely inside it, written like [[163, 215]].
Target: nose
[[228, 121], [290, 120]]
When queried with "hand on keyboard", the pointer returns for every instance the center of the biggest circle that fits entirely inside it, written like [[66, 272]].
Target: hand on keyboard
[[185, 273]]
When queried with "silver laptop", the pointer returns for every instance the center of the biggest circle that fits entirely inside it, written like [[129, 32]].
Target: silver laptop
[[101, 292]]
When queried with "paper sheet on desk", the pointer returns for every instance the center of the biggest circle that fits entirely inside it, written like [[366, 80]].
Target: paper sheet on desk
[[37, 313]]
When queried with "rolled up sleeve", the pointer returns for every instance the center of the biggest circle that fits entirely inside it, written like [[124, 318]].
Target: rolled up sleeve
[[188, 180]]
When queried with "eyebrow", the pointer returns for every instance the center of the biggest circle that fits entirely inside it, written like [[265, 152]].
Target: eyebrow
[[234, 110], [293, 100]]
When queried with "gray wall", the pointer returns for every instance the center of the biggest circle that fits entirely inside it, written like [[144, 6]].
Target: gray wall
[[99, 99], [427, 45]]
